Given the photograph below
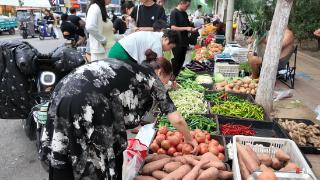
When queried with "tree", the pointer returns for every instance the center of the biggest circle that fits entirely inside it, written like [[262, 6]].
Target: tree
[[272, 54]]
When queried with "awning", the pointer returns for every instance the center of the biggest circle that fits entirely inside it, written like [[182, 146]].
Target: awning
[[36, 3], [9, 2]]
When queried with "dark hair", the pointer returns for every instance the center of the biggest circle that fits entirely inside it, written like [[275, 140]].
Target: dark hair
[[158, 63], [172, 35], [64, 17], [185, 1], [103, 9], [199, 6], [159, 25], [126, 5], [73, 10]]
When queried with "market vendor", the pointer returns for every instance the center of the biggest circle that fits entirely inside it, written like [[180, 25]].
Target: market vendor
[[134, 46], [93, 107], [255, 59]]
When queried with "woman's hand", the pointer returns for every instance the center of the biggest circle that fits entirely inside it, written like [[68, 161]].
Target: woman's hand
[[194, 144]]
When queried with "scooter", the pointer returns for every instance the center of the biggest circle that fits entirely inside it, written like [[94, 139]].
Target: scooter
[[43, 32]]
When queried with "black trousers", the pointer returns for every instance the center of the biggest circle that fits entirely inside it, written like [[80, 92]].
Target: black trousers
[[179, 54]]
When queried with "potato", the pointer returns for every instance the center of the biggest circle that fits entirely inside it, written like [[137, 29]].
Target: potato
[[251, 85], [231, 85], [245, 85], [265, 159]]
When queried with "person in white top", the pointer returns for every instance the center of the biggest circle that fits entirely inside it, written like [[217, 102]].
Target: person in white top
[[134, 46], [198, 14], [100, 29]]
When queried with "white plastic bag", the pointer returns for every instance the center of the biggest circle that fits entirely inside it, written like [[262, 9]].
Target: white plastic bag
[[278, 95], [133, 158], [317, 110]]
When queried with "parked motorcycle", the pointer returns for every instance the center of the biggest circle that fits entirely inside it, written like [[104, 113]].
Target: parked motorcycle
[[44, 31], [27, 29]]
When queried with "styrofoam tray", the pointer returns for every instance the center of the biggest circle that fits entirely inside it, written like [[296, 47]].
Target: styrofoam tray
[[270, 146]]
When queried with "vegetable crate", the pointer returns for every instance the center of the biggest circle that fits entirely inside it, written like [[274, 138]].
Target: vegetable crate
[[226, 69], [270, 146], [308, 149], [247, 97], [261, 128]]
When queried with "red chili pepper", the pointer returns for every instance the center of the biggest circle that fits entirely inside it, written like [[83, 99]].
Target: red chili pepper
[[237, 129]]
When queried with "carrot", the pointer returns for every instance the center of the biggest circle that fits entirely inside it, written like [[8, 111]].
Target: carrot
[[209, 174], [155, 157], [159, 174], [243, 169], [155, 165], [179, 173], [282, 156], [209, 156], [265, 159], [172, 166], [194, 173], [144, 178], [253, 154], [249, 162], [225, 175]]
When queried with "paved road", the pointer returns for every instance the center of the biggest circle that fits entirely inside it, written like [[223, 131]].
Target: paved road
[[18, 157]]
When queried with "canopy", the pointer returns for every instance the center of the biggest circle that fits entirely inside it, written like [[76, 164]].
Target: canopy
[[36, 3], [9, 2]]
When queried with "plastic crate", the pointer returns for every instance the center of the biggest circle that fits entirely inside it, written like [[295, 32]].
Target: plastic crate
[[226, 69], [270, 146], [241, 55]]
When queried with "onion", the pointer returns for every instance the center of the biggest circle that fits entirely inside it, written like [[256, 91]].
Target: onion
[[214, 142], [179, 134], [200, 137], [154, 147], [169, 133], [160, 138], [208, 137], [203, 148], [162, 151], [187, 149], [213, 149], [165, 144], [179, 147], [171, 151], [220, 148], [174, 140], [163, 130]]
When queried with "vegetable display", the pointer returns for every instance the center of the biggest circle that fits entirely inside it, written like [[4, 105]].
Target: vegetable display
[[172, 143], [188, 101], [250, 161], [302, 134], [236, 129], [206, 53], [201, 66], [186, 167], [239, 109], [245, 86], [190, 84], [194, 122], [221, 97], [186, 74], [204, 79]]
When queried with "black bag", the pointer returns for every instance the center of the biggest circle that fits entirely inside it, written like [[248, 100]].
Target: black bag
[[193, 38]]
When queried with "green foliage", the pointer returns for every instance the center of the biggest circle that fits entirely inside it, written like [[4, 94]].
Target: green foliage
[[305, 19]]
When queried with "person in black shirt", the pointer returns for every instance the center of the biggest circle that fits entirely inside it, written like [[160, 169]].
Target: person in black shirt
[[147, 14], [120, 25], [69, 30], [179, 22], [49, 20], [77, 21]]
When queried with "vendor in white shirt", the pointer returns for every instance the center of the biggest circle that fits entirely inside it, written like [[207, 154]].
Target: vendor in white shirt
[[134, 46]]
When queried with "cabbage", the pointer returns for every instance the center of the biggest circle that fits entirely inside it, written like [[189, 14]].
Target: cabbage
[[204, 79], [218, 77]]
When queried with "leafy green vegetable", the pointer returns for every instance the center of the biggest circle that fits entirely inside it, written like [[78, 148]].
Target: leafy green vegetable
[[190, 84], [221, 97], [246, 67], [218, 77], [186, 74]]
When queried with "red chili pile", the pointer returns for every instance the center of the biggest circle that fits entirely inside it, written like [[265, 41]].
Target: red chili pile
[[237, 129]]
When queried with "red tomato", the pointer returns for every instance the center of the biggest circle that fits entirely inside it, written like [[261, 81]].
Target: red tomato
[[165, 144], [160, 138]]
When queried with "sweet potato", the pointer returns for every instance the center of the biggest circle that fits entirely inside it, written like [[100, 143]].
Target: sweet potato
[[276, 164], [282, 156], [159, 174], [209, 156], [180, 159], [155, 165], [179, 173], [225, 175], [155, 157], [172, 166], [144, 178], [243, 169], [265, 159], [253, 154], [209, 174], [267, 173], [289, 167], [217, 164], [249, 162], [194, 173]]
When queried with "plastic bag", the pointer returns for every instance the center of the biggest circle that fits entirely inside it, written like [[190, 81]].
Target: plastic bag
[[317, 110], [278, 95], [133, 158]]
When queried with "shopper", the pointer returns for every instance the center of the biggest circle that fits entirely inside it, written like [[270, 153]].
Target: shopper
[[120, 25], [100, 29], [160, 3], [68, 29], [159, 26], [147, 14], [77, 21], [179, 22], [92, 108], [133, 46], [255, 58], [50, 20]]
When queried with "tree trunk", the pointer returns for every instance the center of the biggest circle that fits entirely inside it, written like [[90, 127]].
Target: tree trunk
[[272, 54], [318, 43], [229, 30]]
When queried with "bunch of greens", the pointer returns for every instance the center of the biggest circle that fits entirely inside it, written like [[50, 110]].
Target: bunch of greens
[[221, 97], [190, 84], [186, 74]]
